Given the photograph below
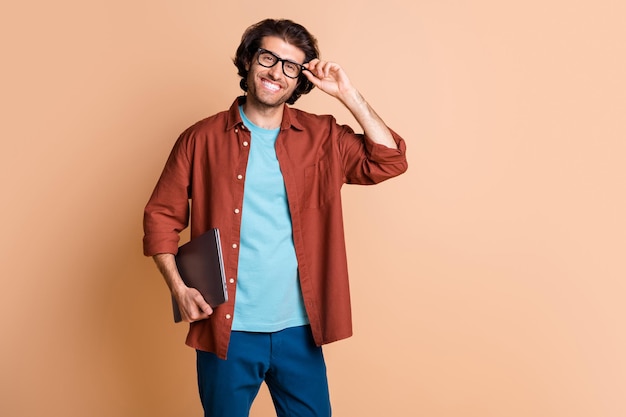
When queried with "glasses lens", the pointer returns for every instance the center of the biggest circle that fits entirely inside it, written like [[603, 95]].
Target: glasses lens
[[267, 60], [291, 69]]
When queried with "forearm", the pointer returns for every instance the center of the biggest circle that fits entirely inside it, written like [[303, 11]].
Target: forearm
[[371, 123], [166, 263], [331, 79]]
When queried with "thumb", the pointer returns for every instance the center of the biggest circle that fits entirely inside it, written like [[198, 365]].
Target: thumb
[[203, 305], [312, 78]]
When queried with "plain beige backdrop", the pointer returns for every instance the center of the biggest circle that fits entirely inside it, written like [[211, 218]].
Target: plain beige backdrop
[[488, 281]]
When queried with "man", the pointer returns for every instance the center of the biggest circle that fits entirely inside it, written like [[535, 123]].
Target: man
[[269, 177]]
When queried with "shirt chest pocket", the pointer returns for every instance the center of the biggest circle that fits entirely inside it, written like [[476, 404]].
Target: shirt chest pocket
[[318, 185]]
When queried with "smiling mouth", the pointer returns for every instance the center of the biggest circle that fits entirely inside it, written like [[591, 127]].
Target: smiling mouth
[[270, 85]]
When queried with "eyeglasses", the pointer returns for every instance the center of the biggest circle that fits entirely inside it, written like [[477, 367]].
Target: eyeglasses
[[268, 59]]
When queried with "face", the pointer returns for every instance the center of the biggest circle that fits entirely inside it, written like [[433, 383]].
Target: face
[[270, 87]]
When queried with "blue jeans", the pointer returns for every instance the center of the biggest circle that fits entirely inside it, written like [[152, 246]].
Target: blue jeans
[[288, 361]]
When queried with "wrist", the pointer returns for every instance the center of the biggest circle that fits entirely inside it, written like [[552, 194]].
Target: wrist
[[353, 99], [177, 287]]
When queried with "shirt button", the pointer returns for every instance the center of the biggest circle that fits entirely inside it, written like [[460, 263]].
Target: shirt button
[[232, 280], [245, 143], [239, 176], [228, 317], [236, 211], [236, 130], [234, 246]]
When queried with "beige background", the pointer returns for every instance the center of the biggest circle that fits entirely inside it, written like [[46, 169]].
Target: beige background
[[487, 281]]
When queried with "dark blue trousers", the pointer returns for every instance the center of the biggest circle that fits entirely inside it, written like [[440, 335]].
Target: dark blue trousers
[[288, 361]]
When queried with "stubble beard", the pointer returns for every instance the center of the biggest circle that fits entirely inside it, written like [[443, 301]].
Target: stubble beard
[[262, 102]]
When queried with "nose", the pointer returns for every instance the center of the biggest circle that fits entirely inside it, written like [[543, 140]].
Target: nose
[[276, 71]]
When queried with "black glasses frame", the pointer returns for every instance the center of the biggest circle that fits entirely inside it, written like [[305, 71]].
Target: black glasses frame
[[278, 59]]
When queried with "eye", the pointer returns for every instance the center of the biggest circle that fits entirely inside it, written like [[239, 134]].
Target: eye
[[290, 66], [267, 58]]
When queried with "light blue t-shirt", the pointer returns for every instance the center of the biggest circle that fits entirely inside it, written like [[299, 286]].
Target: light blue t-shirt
[[269, 297]]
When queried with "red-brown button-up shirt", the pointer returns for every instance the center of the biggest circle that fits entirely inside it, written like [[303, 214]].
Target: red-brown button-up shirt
[[317, 156]]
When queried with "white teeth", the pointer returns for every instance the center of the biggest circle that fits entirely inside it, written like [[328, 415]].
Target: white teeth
[[271, 86]]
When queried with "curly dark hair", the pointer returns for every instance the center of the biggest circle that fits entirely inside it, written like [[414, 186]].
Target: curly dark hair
[[292, 33]]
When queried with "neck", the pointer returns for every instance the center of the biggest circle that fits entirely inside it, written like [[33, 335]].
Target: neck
[[266, 117]]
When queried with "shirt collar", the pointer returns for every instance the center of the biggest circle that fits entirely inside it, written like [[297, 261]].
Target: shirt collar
[[290, 116]]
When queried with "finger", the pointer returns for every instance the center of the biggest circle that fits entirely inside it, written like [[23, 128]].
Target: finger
[[202, 305], [311, 77], [333, 68], [192, 314], [321, 69], [316, 67], [315, 71], [197, 314], [312, 64]]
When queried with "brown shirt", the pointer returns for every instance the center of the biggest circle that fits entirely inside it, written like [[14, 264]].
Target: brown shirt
[[316, 156]]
